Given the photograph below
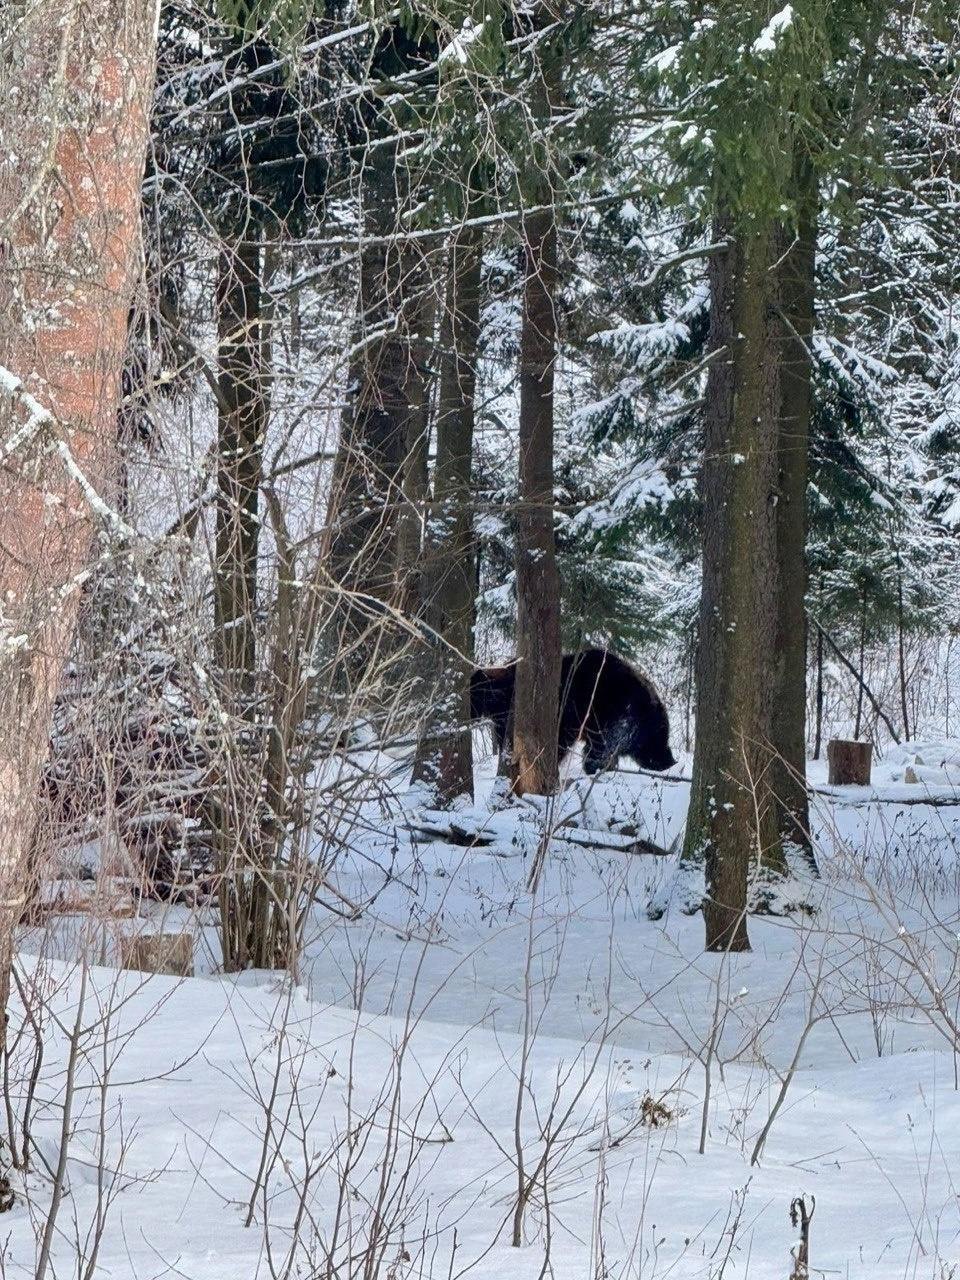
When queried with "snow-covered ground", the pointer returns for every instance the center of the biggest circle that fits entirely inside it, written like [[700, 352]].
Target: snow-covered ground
[[369, 1121]]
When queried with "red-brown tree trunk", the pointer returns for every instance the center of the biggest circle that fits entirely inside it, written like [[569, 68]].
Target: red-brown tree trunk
[[75, 88]]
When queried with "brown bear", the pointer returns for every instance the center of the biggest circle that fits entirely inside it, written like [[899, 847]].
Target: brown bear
[[613, 709]]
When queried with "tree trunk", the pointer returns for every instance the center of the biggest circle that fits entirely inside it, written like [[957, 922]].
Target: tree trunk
[[688, 684], [69, 210], [902, 655], [380, 451], [788, 780], [243, 359], [731, 824], [444, 757], [536, 702], [238, 816], [386, 391], [819, 724], [366, 490], [409, 585], [863, 650], [368, 499]]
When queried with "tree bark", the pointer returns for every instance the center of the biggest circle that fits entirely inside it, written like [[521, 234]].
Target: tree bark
[[237, 813], [536, 701], [380, 452], [819, 720], [367, 488], [379, 467], [444, 757], [409, 584], [243, 359], [731, 824], [797, 286], [75, 89], [901, 655], [861, 661], [385, 413]]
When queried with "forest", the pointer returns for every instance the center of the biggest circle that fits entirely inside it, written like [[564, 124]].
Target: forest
[[479, 603]]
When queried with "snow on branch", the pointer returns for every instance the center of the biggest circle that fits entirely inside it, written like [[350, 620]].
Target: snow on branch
[[41, 421], [767, 40], [38, 417]]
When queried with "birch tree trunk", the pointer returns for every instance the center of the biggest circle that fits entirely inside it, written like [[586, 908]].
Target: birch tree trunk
[[75, 89]]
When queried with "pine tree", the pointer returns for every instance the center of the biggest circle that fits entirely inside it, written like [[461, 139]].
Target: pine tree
[[757, 397]]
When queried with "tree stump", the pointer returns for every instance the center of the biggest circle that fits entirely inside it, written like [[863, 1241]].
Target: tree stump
[[170, 953], [849, 762]]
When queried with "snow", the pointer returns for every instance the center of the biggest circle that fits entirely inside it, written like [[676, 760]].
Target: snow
[[395, 1061], [38, 418], [458, 47], [666, 59], [767, 40]]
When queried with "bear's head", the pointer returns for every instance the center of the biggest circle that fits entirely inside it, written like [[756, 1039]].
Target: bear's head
[[656, 756]]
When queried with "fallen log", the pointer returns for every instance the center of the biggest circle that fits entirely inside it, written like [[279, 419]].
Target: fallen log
[[460, 831]]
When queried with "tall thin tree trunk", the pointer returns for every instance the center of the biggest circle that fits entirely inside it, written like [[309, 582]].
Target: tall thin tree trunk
[[862, 659], [688, 684], [238, 816], [242, 431], [69, 212], [731, 825], [415, 476], [902, 655], [797, 286], [818, 740], [444, 757], [536, 700], [385, 413], [380, 453], [946, 689]]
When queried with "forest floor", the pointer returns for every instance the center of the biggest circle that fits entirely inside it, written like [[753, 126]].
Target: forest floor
[[467, 1038]]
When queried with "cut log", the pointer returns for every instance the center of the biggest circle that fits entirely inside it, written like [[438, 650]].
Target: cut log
[[849, 762], [170, 953]]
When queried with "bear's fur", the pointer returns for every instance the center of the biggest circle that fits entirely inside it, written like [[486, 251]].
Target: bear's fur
[[613, 709]]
